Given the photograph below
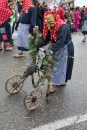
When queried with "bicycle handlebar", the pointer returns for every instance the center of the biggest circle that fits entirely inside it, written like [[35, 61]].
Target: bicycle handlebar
[[43, 50]]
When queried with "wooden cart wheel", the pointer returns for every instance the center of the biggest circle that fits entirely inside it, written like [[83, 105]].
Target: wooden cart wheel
[[33, 99], [14, 84]]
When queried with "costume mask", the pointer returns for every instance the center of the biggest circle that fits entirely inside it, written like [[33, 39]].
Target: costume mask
[[50, 21]]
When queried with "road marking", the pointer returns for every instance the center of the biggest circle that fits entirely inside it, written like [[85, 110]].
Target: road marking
[[62, 123]]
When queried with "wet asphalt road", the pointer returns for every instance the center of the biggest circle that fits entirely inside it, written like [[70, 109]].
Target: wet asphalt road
[[65, 102]]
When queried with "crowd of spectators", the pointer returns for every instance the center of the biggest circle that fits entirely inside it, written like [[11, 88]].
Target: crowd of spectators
[[73, 17]]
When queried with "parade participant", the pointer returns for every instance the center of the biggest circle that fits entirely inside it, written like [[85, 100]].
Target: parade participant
[[12, 20], [19, 14], [84, 25], [68, 20], [82, 11], [39, 16], [44, 8], [61, 11], [56, 31], [26, 25], [19, 5], [77, 19], [72, 14], [5, 30]]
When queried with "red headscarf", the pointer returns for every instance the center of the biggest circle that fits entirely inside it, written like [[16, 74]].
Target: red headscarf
[[5, 12], [86, 9], [27, 5], [57, 25]]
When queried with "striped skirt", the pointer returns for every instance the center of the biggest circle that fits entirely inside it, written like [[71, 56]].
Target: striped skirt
[[62, 71], [22, 37]]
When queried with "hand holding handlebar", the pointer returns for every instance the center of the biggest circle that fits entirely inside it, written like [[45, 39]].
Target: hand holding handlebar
[[42, 49]]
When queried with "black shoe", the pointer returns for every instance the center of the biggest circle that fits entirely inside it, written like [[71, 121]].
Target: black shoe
[[12, 40], [12, 44]]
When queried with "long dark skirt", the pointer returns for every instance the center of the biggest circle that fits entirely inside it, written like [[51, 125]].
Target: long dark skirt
[[84, 32], [5, 32], [70, 61]]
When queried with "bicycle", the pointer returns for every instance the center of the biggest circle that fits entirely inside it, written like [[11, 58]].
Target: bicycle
[[33, 98]]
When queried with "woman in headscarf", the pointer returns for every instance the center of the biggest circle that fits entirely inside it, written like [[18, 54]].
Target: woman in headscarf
[[84, 25], [26, 25], [56, 31], [5, 30]]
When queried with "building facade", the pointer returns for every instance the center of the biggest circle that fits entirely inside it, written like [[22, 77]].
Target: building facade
[[68, 2]]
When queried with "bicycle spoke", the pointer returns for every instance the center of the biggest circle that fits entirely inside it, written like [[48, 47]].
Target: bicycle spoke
[[38, 100], [28, 101], [13, 80], [35, 103], [10, 89], [10, 83]]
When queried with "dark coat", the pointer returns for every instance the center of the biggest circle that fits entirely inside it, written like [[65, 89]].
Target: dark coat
[[63, 38], [29, 17]]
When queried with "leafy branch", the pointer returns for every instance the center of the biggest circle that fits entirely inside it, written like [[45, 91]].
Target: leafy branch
[[32, 46]]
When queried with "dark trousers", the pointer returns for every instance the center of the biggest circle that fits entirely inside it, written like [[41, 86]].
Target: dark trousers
[[7, 31]]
